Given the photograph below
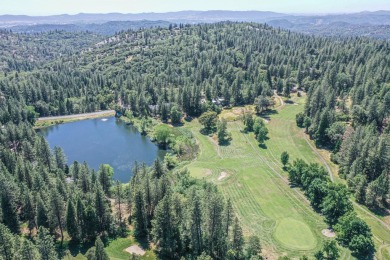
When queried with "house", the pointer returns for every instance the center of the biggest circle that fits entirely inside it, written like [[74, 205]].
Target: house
[[218, 101]]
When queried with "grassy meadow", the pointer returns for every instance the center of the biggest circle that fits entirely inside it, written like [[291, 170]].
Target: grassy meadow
[[257, 184], [253, 178]]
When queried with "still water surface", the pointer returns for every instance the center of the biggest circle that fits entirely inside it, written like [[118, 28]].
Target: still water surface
[[103, 140]]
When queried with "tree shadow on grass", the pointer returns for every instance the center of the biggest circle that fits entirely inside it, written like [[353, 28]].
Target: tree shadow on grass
[[177, 124], [76, 248], [224, 143], [144, 243], [269, 112], [205, 131], [188, 118], [383, 212], [263, 146], [266, 115]]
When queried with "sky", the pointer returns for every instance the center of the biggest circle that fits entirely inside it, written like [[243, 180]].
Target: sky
[[51, 7]]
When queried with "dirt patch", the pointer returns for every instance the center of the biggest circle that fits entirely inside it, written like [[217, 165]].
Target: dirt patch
[[222, 176], [328, 232], [207, 172], [135, 249], [238, 111]]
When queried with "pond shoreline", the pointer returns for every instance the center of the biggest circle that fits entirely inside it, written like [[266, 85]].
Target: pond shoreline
[[43, 122], [103, 141]]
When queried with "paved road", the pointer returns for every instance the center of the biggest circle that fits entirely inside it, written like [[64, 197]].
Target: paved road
[[94, 114]]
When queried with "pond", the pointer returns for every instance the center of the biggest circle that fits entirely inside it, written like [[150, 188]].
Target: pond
[[103, 141]]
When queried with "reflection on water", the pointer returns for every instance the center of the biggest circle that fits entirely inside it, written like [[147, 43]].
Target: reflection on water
[[98, 141]]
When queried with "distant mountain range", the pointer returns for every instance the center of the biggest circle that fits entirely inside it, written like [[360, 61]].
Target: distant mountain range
[[106, 28], [183, 16], [371, 24]]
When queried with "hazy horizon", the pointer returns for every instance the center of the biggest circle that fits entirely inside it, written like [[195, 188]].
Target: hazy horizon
[[216, 10], [72, 7]]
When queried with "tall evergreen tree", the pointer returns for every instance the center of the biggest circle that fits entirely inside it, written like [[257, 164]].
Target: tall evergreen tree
[[119, 207], [103, 211], [57, 212], [42, 213], [195, 224], [72, 225], [45, 245], [7, 243], [100, 253], [28, 251], [9, 211], [237, 239], [105, 178], [29, 211], [140, 227], [165, 233]]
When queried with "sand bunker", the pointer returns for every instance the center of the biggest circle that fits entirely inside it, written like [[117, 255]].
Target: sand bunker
[[328, 232], [135, 249], [222, 176]]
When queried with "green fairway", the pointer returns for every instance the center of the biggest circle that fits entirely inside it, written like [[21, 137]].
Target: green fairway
[[253, 178], [255, 181]]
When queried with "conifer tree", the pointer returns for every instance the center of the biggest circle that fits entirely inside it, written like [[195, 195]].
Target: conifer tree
[[29, 211], [222, 131], [9, 211], [253, 248], [165, 229], [140, 228], [28, 251], [45, 245], [213, 223], [119, 207], [158, 169], [7, 243], [284, 158], [100, 253], [237, 239], [105, 178], [80, 216], [59, 158], [195, 224], [42, 218], [228, 217], [57, 212], [103, 211], [90, 223], [71, 221]]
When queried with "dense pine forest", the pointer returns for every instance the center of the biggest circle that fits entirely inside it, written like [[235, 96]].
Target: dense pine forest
[[166, 72]]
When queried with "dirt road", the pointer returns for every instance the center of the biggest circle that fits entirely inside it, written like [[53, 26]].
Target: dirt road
[[79, 116]]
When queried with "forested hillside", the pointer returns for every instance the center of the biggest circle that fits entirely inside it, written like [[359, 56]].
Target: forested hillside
[[158, 72], [46, 202], [346, 80], [21, 52]]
